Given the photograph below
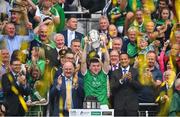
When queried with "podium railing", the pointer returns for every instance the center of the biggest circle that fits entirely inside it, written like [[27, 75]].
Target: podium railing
[[91, 112], [148, 109]]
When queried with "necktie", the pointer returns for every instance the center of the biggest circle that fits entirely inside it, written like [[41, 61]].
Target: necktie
[[114, 67], [16, 76], [124, 71], [68, 95]]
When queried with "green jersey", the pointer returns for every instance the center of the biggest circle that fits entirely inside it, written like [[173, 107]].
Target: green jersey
[[133, 5], [175, 105], [96, 85], [60, 11], [117, 10], [140, 28], [132, 49]]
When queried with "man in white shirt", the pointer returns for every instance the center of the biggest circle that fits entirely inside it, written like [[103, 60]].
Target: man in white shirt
[[124, 84], [70, 33]]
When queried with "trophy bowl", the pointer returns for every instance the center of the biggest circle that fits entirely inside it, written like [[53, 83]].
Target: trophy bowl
[[94, 37]]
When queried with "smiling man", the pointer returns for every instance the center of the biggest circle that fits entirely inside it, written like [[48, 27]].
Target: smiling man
[[11, 40], [114, 60], [69, 88], [14, 79], [43, 40], [124, 84]]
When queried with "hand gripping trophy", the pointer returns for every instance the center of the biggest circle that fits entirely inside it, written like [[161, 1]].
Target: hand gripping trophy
[[95, 41]]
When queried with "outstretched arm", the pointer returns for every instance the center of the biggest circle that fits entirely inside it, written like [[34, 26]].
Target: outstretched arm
[[83, 62], [106, 56]]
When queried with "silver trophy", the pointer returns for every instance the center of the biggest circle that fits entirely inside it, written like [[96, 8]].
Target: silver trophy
[[95, 42], [94, 38]]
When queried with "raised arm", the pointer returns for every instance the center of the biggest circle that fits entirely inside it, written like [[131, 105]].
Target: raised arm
[[55, 16], [29, 37], [46, 22], [106, 56], [32, 5], [84, 55], [161, 57]]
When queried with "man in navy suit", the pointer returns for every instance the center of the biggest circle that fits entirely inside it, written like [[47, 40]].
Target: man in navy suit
[[67, 91], [16, 80], [70, 33], [124, 86]]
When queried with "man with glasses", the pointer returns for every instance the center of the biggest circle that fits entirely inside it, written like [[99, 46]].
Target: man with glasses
[[15, 86]]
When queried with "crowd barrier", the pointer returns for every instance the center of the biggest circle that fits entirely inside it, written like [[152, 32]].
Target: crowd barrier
[[145, 110], [148, 109], [91, 112], [37, 108]]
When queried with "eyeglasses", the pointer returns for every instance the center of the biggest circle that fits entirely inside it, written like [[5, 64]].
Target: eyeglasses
[[16, 64]]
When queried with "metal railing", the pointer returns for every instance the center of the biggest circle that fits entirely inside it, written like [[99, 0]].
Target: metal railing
[[39, 105], [148, 109], [104, 11]]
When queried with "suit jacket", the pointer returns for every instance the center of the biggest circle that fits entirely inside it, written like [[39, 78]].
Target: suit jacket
[[124, 95], [77, 36], [77, 96], [111, 71], [12, 102]]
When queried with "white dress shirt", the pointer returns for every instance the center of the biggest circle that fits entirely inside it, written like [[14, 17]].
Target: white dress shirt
[[127, 69], [71, 36], [124, 69]]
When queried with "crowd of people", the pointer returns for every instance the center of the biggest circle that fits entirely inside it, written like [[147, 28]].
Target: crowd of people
[[133, 57]]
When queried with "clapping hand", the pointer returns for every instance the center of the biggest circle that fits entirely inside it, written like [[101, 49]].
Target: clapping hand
[[165, 98], [148, 75], [75, 80], [59, 80], [21, 79], [127, 76]]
